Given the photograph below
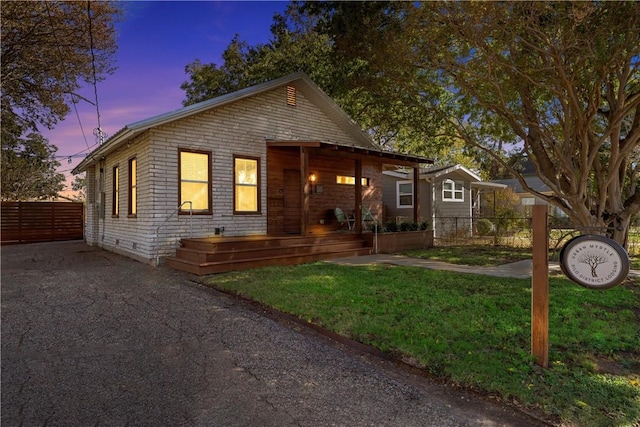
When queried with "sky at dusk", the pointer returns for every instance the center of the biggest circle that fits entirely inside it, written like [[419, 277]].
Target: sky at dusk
[[156, 40]]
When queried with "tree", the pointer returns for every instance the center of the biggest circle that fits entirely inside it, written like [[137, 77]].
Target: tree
[[48, 49], [294, 46], [79, 185], [29, 168], [563, 79], [557, 81]]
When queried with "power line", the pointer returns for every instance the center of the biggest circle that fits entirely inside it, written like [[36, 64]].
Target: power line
[[64, 72], [100, 135]]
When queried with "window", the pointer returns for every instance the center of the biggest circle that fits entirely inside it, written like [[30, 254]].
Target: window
[[528, 201], [133, 187], [351, 180], [115, 196], [246, 188], [452, 191], [404, 190], [195, 181]]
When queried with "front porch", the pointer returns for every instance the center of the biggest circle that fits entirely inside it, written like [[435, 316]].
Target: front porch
[[308, 180]]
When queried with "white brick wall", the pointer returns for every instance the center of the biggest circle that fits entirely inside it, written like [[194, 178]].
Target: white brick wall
[[239, 128]]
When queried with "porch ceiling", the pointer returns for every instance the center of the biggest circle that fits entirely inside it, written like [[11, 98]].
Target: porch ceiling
[[342, 150]]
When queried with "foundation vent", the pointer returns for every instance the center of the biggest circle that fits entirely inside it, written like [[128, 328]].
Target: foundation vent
[[291, 96]]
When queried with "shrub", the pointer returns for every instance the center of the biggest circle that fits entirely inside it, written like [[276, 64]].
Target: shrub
[[390, 227], [409, 226], [485, 227]]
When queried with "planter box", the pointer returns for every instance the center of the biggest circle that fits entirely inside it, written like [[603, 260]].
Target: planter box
[[401, 241]]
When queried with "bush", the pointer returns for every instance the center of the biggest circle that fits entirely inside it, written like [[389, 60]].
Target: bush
[[409, 226], [485, 227], [393, 227], [390, 227]]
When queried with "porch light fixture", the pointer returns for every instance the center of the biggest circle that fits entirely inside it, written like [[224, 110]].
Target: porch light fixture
[[313, 180]]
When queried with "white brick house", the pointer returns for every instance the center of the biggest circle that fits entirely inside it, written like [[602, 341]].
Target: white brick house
[[242, 160]]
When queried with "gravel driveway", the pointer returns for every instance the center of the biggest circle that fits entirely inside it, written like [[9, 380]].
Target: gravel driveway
[[93, 338]]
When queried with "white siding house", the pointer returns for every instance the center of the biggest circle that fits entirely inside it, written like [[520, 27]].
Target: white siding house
[[448, 197]]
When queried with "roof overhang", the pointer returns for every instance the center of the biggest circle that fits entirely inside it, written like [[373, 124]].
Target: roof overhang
[[436, 173], [346, 151], [488, 185]]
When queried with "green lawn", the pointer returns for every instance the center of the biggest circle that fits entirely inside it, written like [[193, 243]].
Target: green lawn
[[473, 255], [475, 331], [487, 255]]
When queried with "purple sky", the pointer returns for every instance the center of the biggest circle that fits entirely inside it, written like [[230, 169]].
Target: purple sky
[[156, 39]]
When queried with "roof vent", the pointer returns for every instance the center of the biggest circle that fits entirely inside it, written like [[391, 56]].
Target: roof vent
[[291, 96]]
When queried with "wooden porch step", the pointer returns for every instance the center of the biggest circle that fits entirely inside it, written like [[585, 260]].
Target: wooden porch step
[[236, 265], [204, 256], [228, 244]]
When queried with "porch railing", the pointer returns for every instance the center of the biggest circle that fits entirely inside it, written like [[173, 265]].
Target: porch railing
[[171, 215]]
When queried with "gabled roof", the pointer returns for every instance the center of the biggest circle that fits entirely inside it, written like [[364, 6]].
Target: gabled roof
[[299, 80], [534, 182], [429, 174], [445, 170]]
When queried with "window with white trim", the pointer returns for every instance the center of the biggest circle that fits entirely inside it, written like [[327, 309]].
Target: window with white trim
[[404, 191], [452, 191]]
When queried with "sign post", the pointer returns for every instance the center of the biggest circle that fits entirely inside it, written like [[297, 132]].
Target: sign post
[[540, 287]]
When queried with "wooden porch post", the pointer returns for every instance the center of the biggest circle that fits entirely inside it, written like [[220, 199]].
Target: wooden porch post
[[306, 190], [358, 197], [416, 193]]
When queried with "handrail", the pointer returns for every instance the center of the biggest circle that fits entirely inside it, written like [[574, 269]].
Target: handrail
[[375, 237], [171, 215]]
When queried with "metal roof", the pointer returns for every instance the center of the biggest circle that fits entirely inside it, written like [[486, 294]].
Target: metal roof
[[299, 80]]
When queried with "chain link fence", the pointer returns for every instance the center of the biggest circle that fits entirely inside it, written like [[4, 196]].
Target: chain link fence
[[513, 232]]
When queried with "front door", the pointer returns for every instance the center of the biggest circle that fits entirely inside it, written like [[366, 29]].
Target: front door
[[292, 201]]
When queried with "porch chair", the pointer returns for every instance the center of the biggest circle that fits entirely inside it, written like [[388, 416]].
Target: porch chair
[[342, 218], [367, 218]]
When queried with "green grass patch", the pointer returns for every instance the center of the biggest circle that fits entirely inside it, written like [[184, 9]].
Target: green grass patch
[[486, 255], [473, 255], [475, 331]]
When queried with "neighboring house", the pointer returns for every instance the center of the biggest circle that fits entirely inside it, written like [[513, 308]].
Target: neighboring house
[[527, 199], [449, 197], [272, 159]]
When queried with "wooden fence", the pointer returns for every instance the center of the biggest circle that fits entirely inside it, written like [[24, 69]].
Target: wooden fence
[[26, 222]]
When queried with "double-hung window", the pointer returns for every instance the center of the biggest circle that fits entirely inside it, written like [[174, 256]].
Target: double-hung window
[[452, 191], [195, 181], [404, 191], [246, 188], [133, 187]]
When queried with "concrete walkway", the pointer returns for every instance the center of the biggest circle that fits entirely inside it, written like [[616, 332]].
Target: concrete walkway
[[518, 270], [93, 338]]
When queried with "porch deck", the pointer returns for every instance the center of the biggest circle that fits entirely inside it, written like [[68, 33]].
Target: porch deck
[[221, 254]]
